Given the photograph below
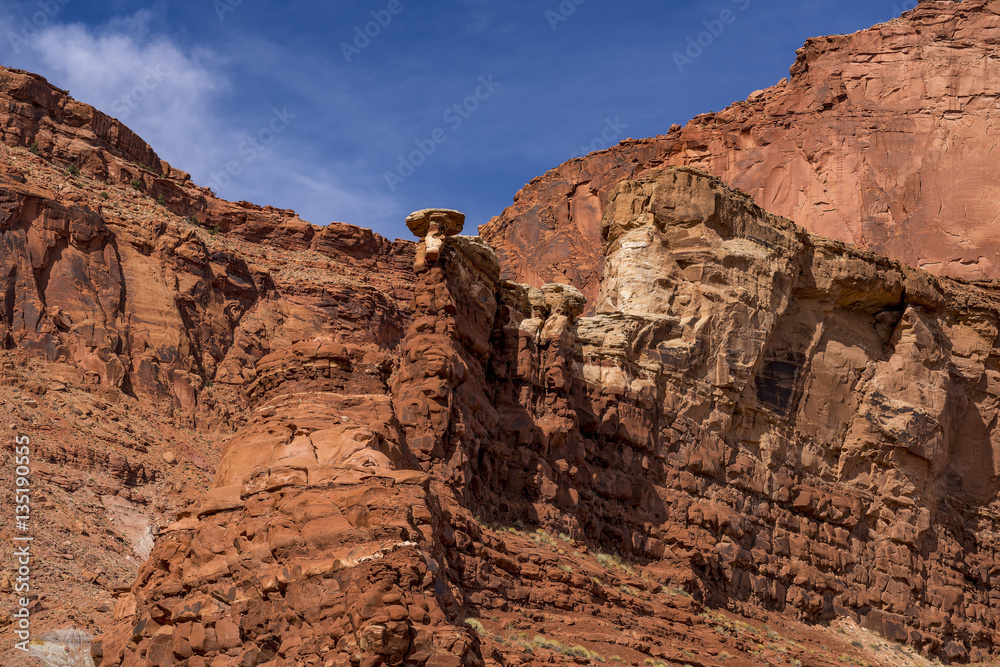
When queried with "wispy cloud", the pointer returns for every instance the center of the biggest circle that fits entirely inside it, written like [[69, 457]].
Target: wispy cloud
[[162, 91], [184, 102]]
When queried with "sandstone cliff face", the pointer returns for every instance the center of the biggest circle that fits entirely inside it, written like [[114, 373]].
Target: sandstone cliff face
[[764, 418], [140, 294], [751, 418], [807, 426], [881, 139], [325, 539], [135, 307]]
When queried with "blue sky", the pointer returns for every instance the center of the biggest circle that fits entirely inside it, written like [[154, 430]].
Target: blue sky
[[292, 104]]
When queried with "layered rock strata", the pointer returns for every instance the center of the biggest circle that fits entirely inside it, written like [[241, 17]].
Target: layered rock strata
[[136, 306], [110, 264], [807, 426], [328, 540], [765, 418], [882, 139]]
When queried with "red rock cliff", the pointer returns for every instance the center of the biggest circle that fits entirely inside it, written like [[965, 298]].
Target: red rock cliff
[[136, 306], [883, 139], [766, 418]]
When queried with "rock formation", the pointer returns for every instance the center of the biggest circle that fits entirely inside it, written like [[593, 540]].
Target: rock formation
[[765, 417], [136, 307], [324, 538], [73, 260], [882, 139], [714, 434]]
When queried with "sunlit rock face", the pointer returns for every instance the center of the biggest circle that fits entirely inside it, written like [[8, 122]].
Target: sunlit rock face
[[764, 416], [883, 139], [810, 425]]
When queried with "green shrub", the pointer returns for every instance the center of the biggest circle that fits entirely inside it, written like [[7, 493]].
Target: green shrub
[[74, 170], [34, 148]]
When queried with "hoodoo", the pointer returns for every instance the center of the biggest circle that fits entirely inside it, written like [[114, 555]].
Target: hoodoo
[[727, 396]]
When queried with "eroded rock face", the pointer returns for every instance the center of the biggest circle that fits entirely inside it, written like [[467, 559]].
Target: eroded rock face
[[126, 283], [323, 503], [152, 300], [809, 426], [882, 138], [318, 540], [765, 417]]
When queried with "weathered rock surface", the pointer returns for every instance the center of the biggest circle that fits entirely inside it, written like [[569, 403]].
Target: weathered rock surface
[[428, 464], [882, 138], [136, 307], [132, 289], [764, 418], [324, 537]]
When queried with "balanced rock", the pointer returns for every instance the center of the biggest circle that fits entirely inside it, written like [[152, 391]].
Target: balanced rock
[[433, 225], [441, 221]]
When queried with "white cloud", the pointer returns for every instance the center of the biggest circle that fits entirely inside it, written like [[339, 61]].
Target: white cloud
[[160, 90], [179, 100]]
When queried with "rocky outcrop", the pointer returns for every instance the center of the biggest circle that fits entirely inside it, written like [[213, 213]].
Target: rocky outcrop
[[152, 300], [44, 117], [762, 417], [324, 536], [882, 139], [805, 425], [133, 284]]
